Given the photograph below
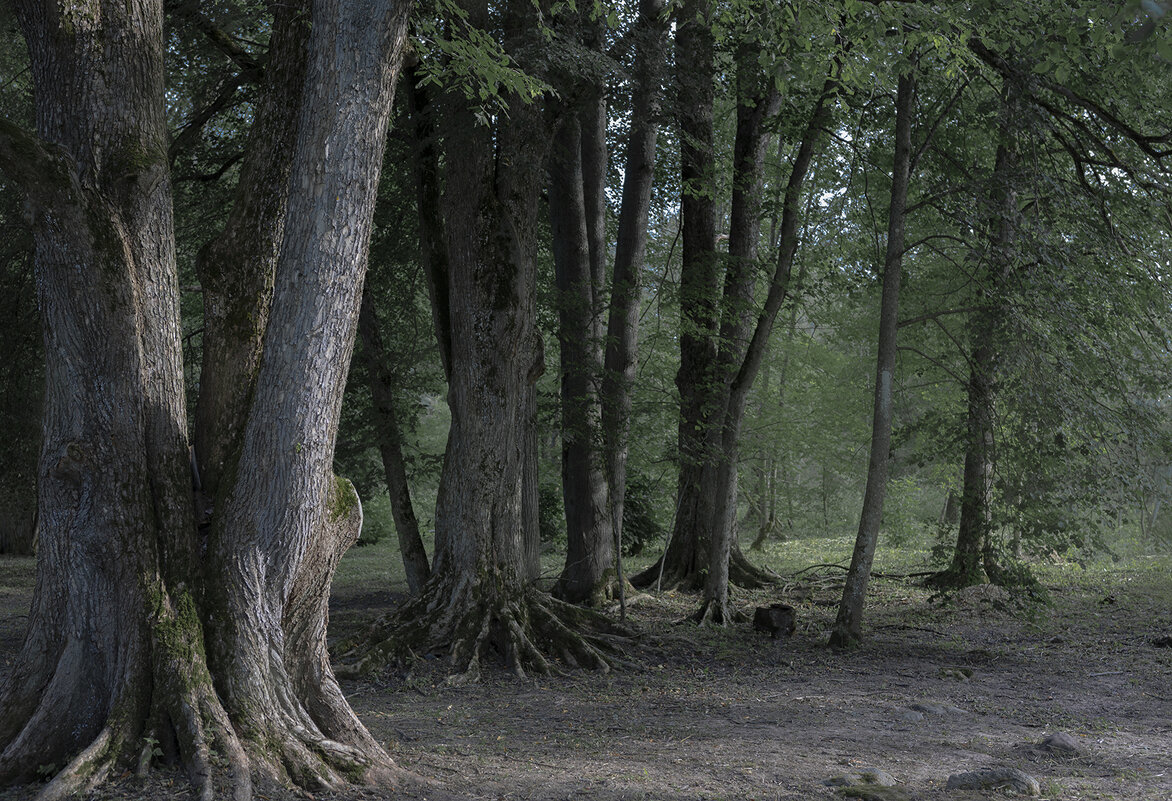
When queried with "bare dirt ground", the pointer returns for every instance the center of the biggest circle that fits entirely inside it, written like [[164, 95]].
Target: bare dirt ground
[[939, 687]]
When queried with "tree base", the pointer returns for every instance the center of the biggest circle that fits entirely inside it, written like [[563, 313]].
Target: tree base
[[716, 613], [689, 577], [526, 630]]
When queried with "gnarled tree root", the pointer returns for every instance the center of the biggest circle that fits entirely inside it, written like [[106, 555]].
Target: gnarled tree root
[[690, 577], [526, 629]]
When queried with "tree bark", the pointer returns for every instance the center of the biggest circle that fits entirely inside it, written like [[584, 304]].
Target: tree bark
[[390, 446], [479, 603], [742, 357], [114, 497], [287, 520], [115, 652], [589, 570], [974, 559], [622, 329], [848, 624], [236, 268], [684, 561]]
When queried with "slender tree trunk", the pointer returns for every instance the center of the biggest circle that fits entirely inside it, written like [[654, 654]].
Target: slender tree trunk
[[390, 446], [431, 224], [848, 625], [974, 559], [589, 569], [746, 360], [684, 562], [618, 375]]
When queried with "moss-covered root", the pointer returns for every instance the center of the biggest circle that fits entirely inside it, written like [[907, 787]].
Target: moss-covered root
[[528, 630]]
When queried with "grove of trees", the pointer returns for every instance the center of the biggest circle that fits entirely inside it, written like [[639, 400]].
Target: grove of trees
[[631, 277]]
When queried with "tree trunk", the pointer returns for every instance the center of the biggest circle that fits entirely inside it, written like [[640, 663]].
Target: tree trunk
[[287, 520], [479, 602], [114, 492], [974, 559], [618, 376], [115, 651], [589, 569], [236, 268], [390, 446], [684, 562], [848, 625], [746, 357]]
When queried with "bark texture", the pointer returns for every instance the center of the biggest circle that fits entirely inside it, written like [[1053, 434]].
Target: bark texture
[[974, 559], [479, 604], [848, 624], [685, 560], [275, 559], [114, 660], [236, 268], [577, 213], [622, 328]]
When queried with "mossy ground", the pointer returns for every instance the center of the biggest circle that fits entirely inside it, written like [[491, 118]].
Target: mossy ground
[[728, 714]]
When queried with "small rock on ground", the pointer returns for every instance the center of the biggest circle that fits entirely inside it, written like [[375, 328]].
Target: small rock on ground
[[995, 779], [1062, 744], [936, 709]]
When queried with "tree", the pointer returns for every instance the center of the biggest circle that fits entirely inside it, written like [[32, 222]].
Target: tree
[[847, 626], [213, 646], [577, 214], [479, 601]]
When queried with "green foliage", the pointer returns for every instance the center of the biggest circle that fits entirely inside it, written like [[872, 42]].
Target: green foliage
[[551, 513], [377, 520], [642, 521]]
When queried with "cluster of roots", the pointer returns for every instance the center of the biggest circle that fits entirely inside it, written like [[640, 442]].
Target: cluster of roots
[[525, 629]]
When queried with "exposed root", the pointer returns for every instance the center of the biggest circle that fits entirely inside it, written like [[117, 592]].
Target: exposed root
[[716, 613], [689, 576], [87, 770], [527, 630]]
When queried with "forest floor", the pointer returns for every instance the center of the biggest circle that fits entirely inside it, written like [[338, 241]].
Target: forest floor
[[940, 686]]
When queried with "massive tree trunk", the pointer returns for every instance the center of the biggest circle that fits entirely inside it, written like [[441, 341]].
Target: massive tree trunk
[[390, 447], [114, 497], [478, 602], [115, 656], [848, 625], [287, 520]]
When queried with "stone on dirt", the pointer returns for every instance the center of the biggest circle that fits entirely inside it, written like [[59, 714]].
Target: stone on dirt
[[995, 779], [1062, 744]]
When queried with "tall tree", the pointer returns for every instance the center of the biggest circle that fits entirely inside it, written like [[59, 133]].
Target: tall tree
[[480, 602], [577, 214], [116, 656], [848, 624], [744, 345]]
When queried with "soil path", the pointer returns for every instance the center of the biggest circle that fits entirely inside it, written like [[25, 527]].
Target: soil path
[[938, 688]]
